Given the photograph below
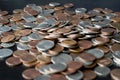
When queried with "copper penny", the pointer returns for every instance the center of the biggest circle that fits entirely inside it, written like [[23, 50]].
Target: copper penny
[[31, 64], [30, 73], [115, 74], [3, 13], [104, 62], [105, 49], [4, 21], [8, 38], [39, 65], [13, 61], [85, 44], [89, 75], [56, 50], [59, 8], [115, 47], [116, 19], [20, 53], [63, 30], [24, 32], [68, 5], [34, 51], [28, 58], [33, 43], [57, 77], [76, 50], [43, 59], [87, 57], [17, 11], [107, 31]]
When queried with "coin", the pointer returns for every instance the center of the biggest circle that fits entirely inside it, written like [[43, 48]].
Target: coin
[[21, 46], [76, 76], [68, 5], [42, 77], [5, 53], [19, 53], [30, 73], [12, 61], [105, 49], [89, 75], [57, 77], [102, 71], [107, 31], [115, 47], [61, 58], [45, 45], [115, 74], [8, 38], [54, 4]]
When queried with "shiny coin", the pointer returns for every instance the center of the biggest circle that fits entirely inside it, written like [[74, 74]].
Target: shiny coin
[[42, 77], [54, 4], [7, 45], [28, 18], [45, 45], [61, 58], [96, 52], [12, 61], [21, 46], [115, 74], [29, 25], [5, 53], [23, 32], [30, 73], [80, 10], [5, 28], [24, 39], [35, 36], [76, 76], [89, 75], [102, 71], [116, 37]]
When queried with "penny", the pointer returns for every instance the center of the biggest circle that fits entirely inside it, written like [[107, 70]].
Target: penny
[[89, 75], [76, 50], [105, 49], [3, 13], [107, 31], [68, 5], [85, 44], [4, 21], [61, 58], [19, 53], [30, 73], [13, 61], [17, 10], [31, 64], [63, 30], [56, 50], [116, 25], [68, 43], [27, 58], [59, 8], [24, 32], [57, 77], [102, 71], [115, 74], [39, 65], [8, 38], [43, 59], [33, 43], [116, 19], [104, 62], [76, 76], [115, 47], [5, 53], [34, 52]]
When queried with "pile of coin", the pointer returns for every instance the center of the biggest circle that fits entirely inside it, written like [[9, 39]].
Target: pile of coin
[[60, 43]]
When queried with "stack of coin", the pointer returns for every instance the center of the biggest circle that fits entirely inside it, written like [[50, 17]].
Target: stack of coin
[[59, 42]]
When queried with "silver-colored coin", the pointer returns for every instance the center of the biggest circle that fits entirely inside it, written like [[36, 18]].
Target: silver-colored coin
[[15, 27], [109, 15], [29, 25], [48, 11], [116, 37], [84, 24], [29, 18], [97, 18], [24, 39], [37, 8], [80, 10], [116, 54], [42, 77], [54, 4], [30, 5], [45, 45], [61, 58], [51, 21], [5, 53], [100, 25], [94, 12], [102, 71], [53, 68], [4, 29], [7, 45], [107, 21], [21, 46], [96, 52], [35, 36], [75, 76]]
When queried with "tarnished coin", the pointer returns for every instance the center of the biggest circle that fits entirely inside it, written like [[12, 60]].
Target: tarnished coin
[[45, 45], [96, 52], [115, 74], [5, 53], [85, 44], [102, 71], [61, 58], [76, 76], [107, 31], [89, 75], [34, 52], [115, 47], [13, 61], [105, 49], [30, 73]]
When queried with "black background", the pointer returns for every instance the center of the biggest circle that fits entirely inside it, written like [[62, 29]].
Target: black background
[[14, 73]]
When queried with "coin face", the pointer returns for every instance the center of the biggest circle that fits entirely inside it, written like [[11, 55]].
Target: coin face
[[45, 45], [115, 74], [42, 77], [8, 38], [5, 53], [57, 77]]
